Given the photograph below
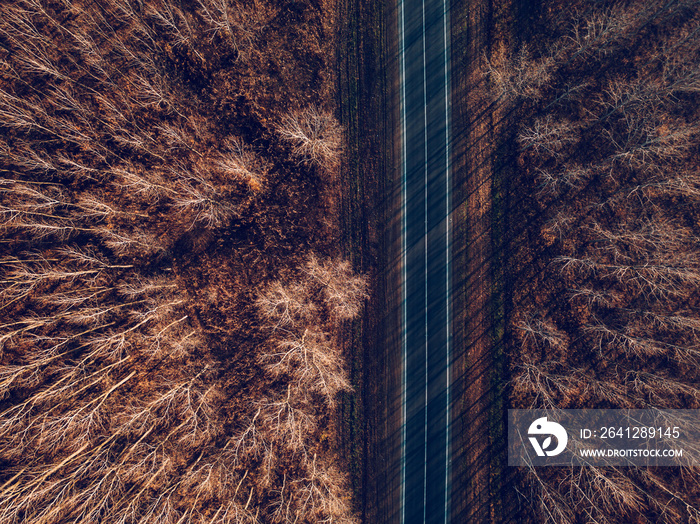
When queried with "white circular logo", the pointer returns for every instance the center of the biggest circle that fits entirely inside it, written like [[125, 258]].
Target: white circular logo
[[541, 427]]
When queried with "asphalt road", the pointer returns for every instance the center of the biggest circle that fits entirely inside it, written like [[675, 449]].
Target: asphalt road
[[424, 55]]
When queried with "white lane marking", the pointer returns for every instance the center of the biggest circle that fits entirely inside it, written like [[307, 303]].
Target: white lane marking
[[404, 297], [448, 290], [425, 275]]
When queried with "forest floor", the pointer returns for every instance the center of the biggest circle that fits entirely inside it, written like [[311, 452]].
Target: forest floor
[[170, 201]]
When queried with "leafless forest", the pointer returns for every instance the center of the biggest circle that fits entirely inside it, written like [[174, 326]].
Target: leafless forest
[[607, 273], [170, 290]]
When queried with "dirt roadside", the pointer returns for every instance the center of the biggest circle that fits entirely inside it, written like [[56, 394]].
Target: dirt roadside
[[483, 165], [472, 121], [368, 77]]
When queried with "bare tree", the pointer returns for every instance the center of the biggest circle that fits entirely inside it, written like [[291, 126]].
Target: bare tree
[[173, 21], [542, 333], [312, 362], [600, 32], [651, 139], [658, 388], [663, 275], [343, 291], [318, 496], [285, 306], [571, 177], [204, 201], [634, 242], [596, 297], [240, 163], [315, 136], [233, 23], [234, 513], [520, 75], [548, 136], [250, 442], [289, 425], [550, 384], [561, 223], [138, 241]]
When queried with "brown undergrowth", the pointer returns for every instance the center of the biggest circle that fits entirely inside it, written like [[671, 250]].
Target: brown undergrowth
[[171, 293], [605, 270]]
